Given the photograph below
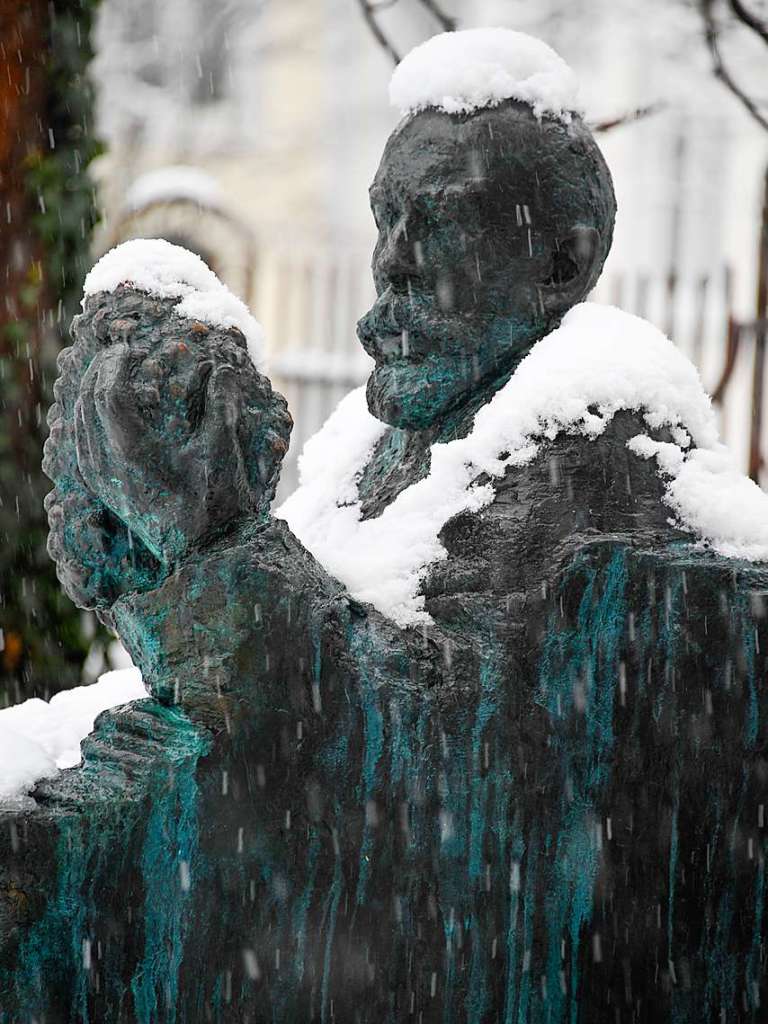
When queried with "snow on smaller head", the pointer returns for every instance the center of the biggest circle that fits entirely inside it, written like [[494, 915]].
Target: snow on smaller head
[[459, 72], [168, 271]]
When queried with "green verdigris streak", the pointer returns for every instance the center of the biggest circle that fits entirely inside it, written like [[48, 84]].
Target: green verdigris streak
[[92, 862], [169, 867], [585, 660]]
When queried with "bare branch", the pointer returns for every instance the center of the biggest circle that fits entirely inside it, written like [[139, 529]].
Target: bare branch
[[445, 21], [369, 13], [627, 118], [749, 19], [371, 8], [711, 34]]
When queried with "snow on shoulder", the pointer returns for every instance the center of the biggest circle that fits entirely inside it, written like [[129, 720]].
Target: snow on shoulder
[[168, 271], [459, 72], [38, 738], [599, 361]]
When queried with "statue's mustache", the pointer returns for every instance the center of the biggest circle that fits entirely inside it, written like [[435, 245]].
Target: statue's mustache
[[392, 318]]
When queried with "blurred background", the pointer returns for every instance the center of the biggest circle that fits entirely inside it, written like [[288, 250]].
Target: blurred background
[[249, 130]]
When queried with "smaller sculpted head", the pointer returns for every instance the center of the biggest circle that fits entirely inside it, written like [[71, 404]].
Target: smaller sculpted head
[[163, 436], [492, 223]]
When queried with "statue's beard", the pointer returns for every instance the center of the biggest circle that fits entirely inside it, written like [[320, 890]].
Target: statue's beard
[[405, 328], [415, 395], [428, 362], [406, 336]]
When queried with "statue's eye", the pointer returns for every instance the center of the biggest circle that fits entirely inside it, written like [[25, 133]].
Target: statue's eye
[[423, 219], [467, 209]]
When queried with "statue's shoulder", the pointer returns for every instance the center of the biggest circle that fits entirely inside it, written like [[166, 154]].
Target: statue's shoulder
[[575, 470], [594, 425]]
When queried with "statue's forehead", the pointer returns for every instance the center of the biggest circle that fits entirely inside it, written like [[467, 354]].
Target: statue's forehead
[[435, 153]]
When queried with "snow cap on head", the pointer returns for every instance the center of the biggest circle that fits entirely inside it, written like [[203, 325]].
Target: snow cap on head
[[459, 72], [168, 271]]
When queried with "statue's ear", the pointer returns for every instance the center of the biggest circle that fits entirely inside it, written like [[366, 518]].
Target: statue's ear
[[571, 270]]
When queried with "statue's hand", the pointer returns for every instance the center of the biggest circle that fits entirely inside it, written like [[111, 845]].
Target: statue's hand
[[97, 558], [171, 443]]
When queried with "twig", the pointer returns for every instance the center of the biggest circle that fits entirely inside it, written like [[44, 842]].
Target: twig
[[749, 19], [445, 21], [719, 68], [627, 118], [369, 13], [370, 9]]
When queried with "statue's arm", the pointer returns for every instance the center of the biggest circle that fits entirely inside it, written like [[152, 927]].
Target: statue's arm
[[219, 634]]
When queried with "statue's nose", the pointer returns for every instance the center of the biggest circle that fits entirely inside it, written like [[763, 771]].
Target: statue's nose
[[398, 261]]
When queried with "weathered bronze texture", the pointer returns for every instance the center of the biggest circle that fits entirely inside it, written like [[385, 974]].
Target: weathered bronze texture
[[546, 806]]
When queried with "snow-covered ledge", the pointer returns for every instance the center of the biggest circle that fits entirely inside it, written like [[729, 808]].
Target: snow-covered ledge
[[40, 738]]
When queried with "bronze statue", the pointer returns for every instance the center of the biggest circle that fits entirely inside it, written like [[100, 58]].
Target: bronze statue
[[521, 811]]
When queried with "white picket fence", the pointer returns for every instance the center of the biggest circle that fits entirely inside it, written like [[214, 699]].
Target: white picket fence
[[309, 303]]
